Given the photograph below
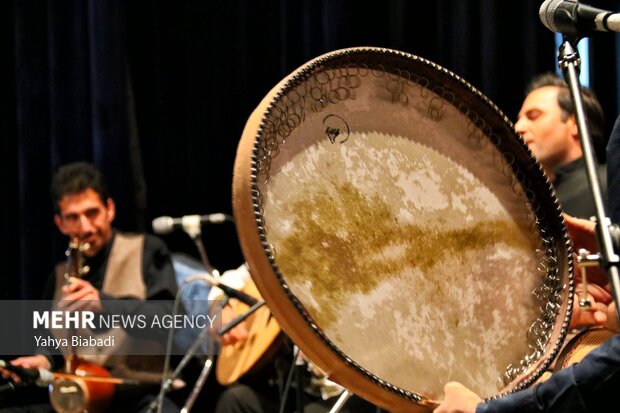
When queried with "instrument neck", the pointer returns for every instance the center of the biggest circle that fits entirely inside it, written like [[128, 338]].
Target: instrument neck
[[71, 361], [75, 269]]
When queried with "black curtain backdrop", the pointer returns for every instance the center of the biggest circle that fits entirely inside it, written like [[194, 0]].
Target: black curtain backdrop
[[156, 93]]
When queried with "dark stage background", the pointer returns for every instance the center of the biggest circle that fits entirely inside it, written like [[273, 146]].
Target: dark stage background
[[156, 93]]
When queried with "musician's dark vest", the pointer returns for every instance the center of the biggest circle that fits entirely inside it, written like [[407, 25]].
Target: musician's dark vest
[[123, 277]]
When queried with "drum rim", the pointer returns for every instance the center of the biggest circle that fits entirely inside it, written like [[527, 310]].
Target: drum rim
[[551, 350]]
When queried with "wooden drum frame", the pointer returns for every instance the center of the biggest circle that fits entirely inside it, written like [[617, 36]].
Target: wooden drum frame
[[401, 231]]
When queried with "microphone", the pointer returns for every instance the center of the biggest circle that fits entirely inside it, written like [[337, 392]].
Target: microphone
[[229, 291], [40, 377], [166, 224], [572, 17]]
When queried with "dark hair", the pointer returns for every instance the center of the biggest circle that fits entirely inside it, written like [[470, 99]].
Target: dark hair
[[591, 105], [77, 177]]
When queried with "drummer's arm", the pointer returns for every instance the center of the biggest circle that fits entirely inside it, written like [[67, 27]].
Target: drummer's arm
[[562, 389], [581, 387]]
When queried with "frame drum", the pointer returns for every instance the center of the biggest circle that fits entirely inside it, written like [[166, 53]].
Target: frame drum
[[401, 231]]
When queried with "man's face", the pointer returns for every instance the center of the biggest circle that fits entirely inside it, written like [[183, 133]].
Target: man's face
[[86, 216], [553, 141]]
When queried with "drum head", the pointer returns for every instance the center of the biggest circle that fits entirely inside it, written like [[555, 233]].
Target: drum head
[[401, 231]]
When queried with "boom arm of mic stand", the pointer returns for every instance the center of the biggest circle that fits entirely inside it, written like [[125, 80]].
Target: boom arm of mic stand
[[240, 318], [231, 292], [568, 59], [239, 295]]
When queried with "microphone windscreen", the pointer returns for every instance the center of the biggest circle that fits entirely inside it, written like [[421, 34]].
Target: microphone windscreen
[[163, 225]]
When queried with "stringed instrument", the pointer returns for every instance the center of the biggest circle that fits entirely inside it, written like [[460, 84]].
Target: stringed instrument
[[83, 386], [577, 347], [247, 357], [580, 345]]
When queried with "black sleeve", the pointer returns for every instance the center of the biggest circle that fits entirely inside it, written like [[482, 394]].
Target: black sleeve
[[158, 271], [588, 386], [161, 289]]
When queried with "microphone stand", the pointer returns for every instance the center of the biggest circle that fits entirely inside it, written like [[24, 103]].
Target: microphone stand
[[569, 61], [193, 229], [191, 399], [346, 395], [167, 384], [300, 366]]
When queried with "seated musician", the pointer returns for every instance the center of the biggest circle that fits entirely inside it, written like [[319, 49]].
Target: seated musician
[[264, 391], [128, 269]]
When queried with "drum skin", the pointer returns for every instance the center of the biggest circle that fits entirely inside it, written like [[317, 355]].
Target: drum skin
[[400, 231]]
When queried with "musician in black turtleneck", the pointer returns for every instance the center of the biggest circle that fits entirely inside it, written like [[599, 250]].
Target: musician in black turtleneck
[[548, 124]]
